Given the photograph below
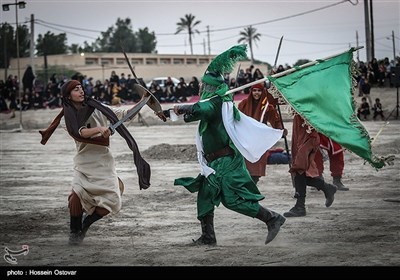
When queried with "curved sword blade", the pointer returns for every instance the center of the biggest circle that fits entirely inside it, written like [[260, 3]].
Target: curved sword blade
[[131, 113]]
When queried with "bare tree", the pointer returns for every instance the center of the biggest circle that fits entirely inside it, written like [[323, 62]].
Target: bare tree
[[249, 35], [188, 23]]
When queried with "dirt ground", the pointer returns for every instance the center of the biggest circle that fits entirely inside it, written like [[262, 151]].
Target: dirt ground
[[156, 226]]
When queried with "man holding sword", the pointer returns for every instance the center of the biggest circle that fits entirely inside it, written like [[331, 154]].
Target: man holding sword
[[96, 188]]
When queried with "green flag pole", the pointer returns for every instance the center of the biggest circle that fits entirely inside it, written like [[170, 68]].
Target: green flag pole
[[305, 65], [287, 71]]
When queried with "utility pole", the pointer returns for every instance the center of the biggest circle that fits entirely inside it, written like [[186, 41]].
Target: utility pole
[[208, 38], [358, 52], [367, 31], [32, 42], [372, 29], [6, 7], [5, 54], [46, 77], [394, 48]]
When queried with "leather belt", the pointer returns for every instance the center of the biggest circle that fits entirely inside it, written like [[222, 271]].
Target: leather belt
[[226, 151]]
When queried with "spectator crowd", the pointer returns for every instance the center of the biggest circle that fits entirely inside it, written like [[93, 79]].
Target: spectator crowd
[[119, 89]]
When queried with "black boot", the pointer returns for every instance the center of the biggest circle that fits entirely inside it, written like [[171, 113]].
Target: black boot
[[199, 241], [337, 181], [299, 209], [321, 185], [300, 184], [329, 192], [75, 230], [273, 220], [87, 221], [207, 232]]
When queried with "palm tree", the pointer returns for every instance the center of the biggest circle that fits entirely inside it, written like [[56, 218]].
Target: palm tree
[[250, 35], [188, 23]]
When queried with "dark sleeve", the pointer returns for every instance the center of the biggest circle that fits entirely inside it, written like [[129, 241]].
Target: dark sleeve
[[206, 111]]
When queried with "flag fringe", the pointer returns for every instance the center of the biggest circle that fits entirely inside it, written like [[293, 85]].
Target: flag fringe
[[375, 161]]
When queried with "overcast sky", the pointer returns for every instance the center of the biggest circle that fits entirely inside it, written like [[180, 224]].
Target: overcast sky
[[311, 29]]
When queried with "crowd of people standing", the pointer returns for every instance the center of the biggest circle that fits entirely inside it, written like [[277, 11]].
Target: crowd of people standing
[[118, 89]]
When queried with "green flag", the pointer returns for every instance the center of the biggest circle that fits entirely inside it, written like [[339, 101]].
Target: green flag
[[323, 94]]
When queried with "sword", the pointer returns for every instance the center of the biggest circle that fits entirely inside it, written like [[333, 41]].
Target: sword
[[237, 75], [236, 78], [284, 136], [153, 101], [277, 53], [131, 113], [277, 104], [130, 66], [280, 114]]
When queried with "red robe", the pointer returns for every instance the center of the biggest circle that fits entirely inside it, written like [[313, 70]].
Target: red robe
[[305, 144], [336, 156], [329, 145]]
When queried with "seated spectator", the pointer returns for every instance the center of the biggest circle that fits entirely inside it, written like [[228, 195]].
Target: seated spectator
[[116, 100], [378, 110], [3, 104], [37, 101], [180, 91], [194, 87], [170, 90], [277, 156], [54, 101], [363, 109], [103, 98], [157, 91], [27, 102]]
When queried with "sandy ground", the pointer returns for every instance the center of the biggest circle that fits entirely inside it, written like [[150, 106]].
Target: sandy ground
[[156, 226]]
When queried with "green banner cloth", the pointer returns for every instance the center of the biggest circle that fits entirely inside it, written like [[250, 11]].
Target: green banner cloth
[[323, 94]]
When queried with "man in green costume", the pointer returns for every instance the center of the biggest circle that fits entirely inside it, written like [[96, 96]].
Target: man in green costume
[[224, 137]]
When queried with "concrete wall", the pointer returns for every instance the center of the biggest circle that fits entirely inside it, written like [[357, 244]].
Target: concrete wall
[[146, 66]]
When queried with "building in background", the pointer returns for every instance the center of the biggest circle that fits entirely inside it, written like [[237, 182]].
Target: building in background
[[146, 66]]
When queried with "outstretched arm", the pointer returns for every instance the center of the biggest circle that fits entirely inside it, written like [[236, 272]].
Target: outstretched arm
[[183, 109], [90, 132]]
